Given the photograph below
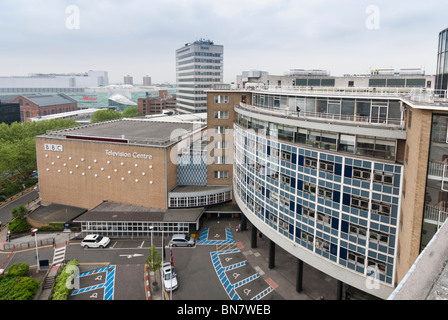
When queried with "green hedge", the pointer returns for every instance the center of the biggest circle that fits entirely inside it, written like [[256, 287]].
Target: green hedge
[[15, 285], [19, 225], [19, 269], [61, 291]]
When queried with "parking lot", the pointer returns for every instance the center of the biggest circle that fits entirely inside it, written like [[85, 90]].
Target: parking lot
[[214, 269]]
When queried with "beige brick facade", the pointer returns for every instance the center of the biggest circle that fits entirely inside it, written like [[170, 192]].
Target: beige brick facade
[[84, 174], [215, 119], [414, 185]]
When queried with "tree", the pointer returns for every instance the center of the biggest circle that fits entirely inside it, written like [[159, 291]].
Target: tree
[[18, 148], [154, 262], [105, 115], [131, 112], [19, 212]]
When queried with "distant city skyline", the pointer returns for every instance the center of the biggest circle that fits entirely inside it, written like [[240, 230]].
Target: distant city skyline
[[139, 38]]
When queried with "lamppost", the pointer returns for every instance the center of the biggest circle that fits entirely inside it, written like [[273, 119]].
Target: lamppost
[[37, 251], [171, 273]]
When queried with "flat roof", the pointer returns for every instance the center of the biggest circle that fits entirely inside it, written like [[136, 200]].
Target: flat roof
[[130, 131], [120, 212], [57, 213]]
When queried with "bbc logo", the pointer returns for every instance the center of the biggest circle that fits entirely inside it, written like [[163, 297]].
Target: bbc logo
[[53, 147]]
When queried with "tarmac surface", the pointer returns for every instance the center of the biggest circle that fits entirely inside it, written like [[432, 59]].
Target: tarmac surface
[[281, 278]]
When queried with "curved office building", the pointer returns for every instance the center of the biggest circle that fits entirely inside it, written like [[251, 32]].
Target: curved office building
[[326, 183]]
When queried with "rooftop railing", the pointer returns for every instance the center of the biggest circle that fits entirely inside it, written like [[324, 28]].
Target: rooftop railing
[[422, 95]]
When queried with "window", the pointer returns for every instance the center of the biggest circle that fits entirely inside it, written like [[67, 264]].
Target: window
[[383, 177], [360, 203], [310, 163], [273, 196], [309, 188], [221, 129], [357, 259], [377, 267], [285, 179], [358, 232], [274, 175], [324, 219], [221, 99], [308, 213], [322, 244], [273, 218], [286, 156], [221, 114], [221, 145], [360, 173], [381, 208], [326, 166], [282, 224], [326, 193], [221, 174], [379, 238], [222, 160], [284, 201], [308, 238]]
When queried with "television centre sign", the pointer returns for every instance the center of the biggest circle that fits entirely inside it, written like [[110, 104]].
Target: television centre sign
[[134, 155]]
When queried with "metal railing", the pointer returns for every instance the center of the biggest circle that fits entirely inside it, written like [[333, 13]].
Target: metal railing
[[415, 94], [435, 214], [307, 115], [436, 168]]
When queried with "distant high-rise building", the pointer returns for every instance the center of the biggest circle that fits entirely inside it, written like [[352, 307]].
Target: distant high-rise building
[[199, 65], [146, 80], [128, 80], [442, 61]]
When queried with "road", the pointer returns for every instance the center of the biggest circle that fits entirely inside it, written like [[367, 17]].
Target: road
[[5, 209]]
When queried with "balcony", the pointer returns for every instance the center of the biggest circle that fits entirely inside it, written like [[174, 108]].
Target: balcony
[[437, 170], [377, 122], [434, 214]]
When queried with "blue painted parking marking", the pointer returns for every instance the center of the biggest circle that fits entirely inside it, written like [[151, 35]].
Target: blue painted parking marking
[[203, 238], [108, 285], [222, 276]]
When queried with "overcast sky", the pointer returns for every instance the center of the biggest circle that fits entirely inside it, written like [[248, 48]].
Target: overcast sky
[[139, 37]]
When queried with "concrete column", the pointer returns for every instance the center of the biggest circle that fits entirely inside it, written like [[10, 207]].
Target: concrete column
[[299, 276], [243, 222], [339, 290], [271, 254], [253, 242]]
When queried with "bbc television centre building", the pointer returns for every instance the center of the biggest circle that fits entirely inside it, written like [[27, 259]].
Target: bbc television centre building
[[125, 173]]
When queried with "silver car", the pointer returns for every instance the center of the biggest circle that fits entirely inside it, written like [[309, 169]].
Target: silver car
[[182, 240]]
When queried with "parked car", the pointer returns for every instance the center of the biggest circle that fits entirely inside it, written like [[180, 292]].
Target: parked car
[[182, 240], [95, 241], [169, 277]]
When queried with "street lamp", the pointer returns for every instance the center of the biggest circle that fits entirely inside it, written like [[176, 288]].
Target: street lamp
[[37, 251]]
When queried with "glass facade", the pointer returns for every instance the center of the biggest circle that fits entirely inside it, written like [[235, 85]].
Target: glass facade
[[379, 111], [133, 229], [368, 146], [340, 207], [436, 196], [442, 61]]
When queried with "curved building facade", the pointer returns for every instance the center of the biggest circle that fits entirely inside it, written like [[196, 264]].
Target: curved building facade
[[339, 184]]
